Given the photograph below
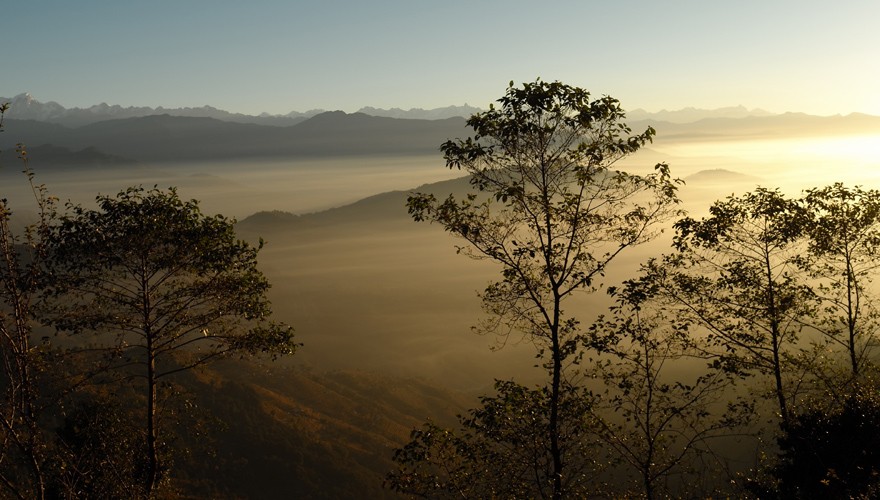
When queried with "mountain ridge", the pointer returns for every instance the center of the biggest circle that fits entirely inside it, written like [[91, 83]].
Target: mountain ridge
[[691, 114], [165, 138], [764, 127], [168, 138], [25, 107]]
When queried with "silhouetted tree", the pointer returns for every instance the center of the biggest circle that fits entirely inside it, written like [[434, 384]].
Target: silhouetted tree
[[500, 449], [97, 451], [165, 289], [659, 412], [828, 451], [734, 275], [551, 210], [23, 445], [843, 256]]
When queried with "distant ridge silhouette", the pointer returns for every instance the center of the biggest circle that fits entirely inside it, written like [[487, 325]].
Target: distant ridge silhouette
[[26, 107], [177, 138]]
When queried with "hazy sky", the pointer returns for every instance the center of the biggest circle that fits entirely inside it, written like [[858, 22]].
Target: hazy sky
[[280, 55]]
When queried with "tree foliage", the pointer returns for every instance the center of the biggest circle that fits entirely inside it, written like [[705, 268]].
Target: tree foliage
[[551, 210], [23, 442], [842, 258], [164, 289], [828, 451], [659, 412], [734, 275], [97, 451], [500, 449]]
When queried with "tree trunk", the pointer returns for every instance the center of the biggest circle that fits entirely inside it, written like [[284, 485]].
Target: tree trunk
[[851, 315], [152, 383], [152, 434], [773, 312], [554, 406]]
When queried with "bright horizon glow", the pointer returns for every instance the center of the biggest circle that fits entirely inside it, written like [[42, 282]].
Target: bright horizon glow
[[861, 148], [280, 56], [792, 164]]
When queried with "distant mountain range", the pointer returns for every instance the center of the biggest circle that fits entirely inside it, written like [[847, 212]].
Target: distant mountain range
[[423, 114], [117, 139], [690, 115], [26, 107], [159, 138], [763, 127]]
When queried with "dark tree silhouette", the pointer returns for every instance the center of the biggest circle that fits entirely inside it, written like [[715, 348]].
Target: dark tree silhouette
[[842, 260], [735, 275], [23, 444], [828, 452], [164, 288], [500, 450], [661, 426], [551, 210]]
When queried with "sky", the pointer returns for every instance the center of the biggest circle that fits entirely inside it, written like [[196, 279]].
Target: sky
[[278, 56]]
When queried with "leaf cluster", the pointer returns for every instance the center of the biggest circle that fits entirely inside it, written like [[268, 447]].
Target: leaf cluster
[[501, 449], [661, 426], [547, 204], [150, 268]]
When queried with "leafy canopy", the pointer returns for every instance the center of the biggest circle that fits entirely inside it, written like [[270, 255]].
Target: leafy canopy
[[548, 206], [153, 270], [551, 210]]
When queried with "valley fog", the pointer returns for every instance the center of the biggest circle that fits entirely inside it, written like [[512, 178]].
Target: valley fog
[[365, 287], [383, 292], [238, 188]]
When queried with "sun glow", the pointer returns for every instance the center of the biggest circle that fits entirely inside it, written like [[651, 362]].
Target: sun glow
[[862, 149], [792, 163]]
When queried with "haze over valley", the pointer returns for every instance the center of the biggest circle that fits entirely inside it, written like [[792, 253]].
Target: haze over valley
[[139, 354], [383, 306], [365, 286]]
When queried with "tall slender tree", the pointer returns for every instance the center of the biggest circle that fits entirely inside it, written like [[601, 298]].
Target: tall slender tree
[[660, 414], [551, 210], [23, 445], [842, 260], [164, 288], [734, 274]]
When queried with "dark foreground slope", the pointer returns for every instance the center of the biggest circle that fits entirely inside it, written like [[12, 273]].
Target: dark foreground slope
[[275, 432]]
